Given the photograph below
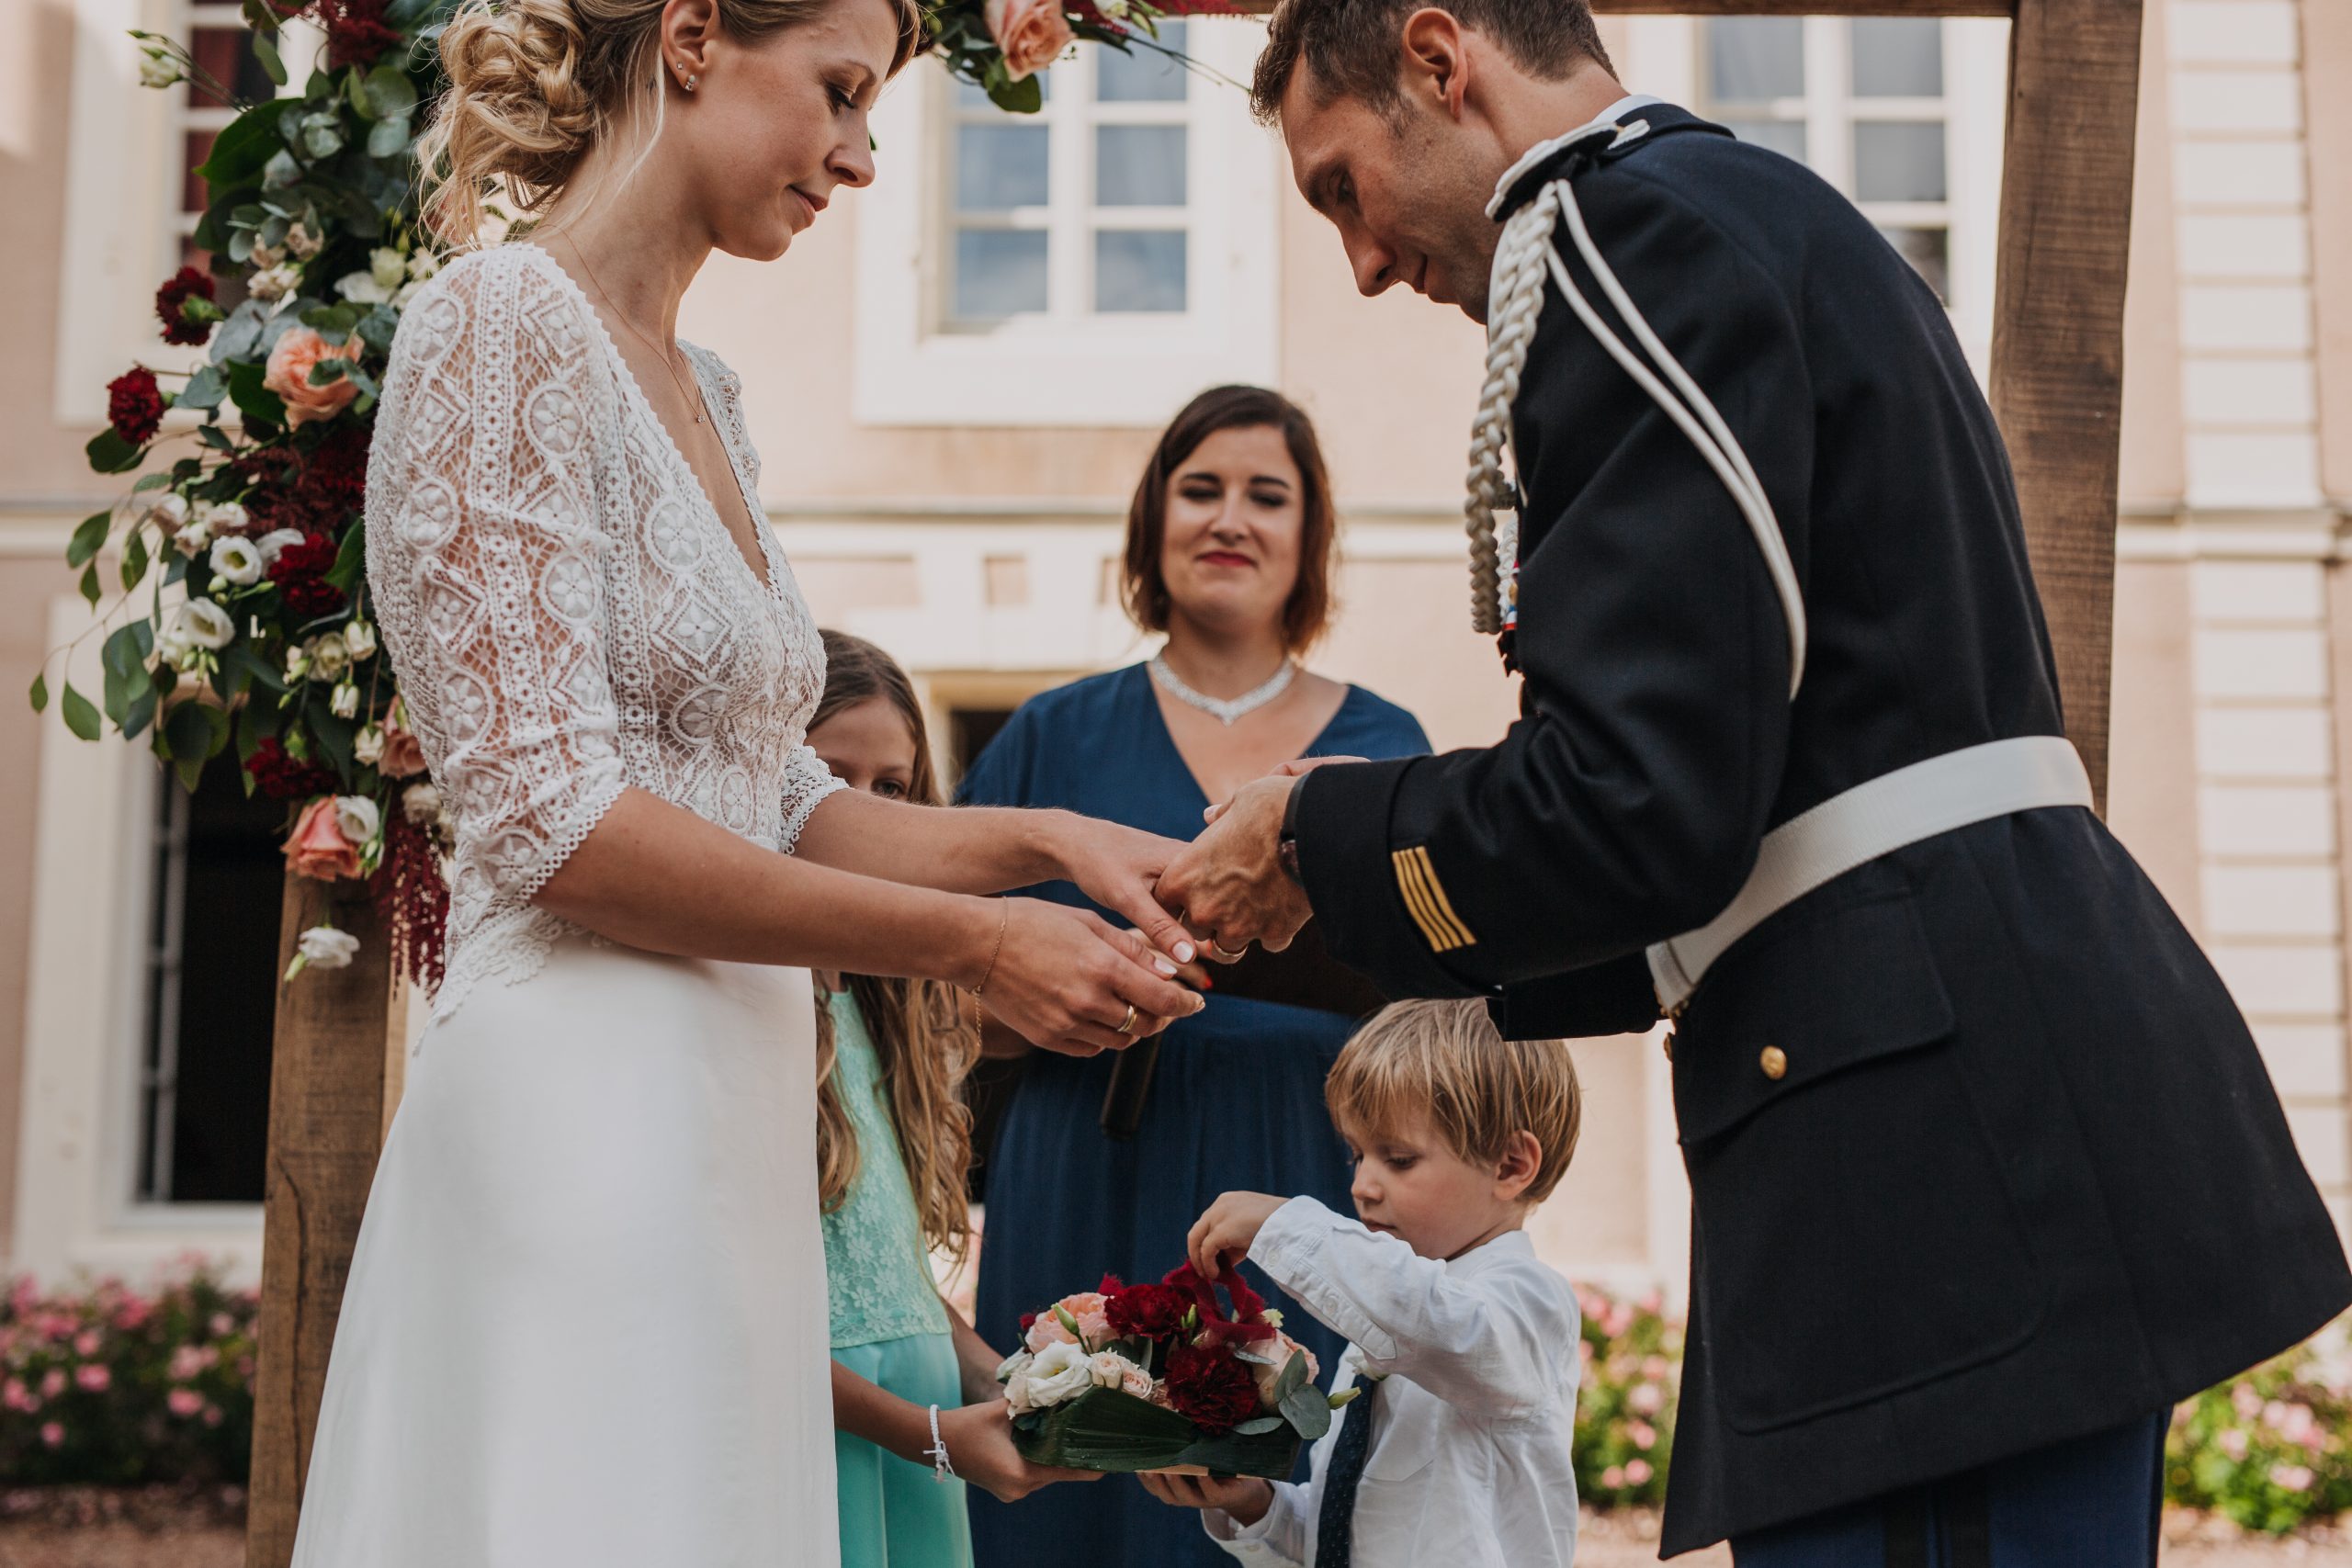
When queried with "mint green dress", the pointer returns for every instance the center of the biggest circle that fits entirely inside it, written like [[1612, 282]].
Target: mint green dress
[[890, 1326]]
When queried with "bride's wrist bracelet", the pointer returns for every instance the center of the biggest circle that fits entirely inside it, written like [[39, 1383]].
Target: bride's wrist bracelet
[[941, 1470], [995, 953]]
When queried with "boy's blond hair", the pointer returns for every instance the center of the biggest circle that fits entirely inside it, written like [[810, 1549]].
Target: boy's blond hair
[[1446, 1060]]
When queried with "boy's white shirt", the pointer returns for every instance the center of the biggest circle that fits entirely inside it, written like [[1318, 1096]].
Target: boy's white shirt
[[1470, 1465]]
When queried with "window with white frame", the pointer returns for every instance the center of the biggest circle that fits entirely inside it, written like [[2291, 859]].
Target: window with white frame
[[1863, 101], [1083, 208], [1095, 263], [222, 44]]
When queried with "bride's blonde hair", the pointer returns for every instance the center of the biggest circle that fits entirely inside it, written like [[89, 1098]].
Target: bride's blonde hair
[[535, 85]]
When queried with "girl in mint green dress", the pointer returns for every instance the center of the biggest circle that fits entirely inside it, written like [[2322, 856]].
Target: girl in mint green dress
[[893, 1139]]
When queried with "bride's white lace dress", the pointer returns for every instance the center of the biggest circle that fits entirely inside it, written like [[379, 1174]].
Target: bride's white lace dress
[[586, 1324]]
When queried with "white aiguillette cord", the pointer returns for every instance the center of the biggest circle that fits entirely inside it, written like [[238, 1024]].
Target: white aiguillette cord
[[1523, 258]]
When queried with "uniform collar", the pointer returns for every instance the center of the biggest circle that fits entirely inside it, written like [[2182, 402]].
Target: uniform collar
[[1609, 129]]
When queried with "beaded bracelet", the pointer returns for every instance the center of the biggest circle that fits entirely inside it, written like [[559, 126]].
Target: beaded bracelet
[[937, 1454]]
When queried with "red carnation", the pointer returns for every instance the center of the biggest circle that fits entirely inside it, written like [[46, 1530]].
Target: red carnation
[[1211, 1388], [299, 572], [135, 405], [184, 307], [1246, 1323], [282, 777], [1142, 1312]]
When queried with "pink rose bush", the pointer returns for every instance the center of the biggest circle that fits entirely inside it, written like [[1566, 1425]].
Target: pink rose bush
[[105, 1385], [2271, 1450]]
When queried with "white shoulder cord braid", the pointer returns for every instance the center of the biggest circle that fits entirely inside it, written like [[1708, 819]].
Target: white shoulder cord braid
[[1523, 258]]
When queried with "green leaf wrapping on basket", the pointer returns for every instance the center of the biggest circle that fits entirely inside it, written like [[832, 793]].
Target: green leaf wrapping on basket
[[1106, 1429]]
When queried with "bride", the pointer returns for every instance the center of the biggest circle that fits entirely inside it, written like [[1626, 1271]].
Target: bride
[[586, 1322]]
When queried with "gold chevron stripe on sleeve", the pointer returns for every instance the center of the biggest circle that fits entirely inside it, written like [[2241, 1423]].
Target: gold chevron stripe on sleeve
[[1425, 899]]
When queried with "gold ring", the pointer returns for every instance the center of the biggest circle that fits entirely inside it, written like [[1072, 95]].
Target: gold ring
[[1129, 1027], [1217, 949]]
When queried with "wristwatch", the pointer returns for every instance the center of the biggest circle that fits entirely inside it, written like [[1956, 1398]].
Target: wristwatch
[[1286, 846]]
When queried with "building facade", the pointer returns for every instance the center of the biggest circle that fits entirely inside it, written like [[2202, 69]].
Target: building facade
[[953, 380]]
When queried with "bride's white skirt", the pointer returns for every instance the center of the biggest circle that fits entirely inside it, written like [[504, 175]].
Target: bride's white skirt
[[586, 1322]]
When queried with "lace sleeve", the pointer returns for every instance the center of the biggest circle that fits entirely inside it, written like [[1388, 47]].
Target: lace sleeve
[[488, 567], [807, 781]]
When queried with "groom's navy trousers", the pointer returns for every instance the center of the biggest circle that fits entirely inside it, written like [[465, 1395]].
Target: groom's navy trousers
[[1983, 1156]]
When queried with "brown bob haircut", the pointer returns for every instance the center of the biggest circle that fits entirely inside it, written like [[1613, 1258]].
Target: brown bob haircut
[[1143, 591]]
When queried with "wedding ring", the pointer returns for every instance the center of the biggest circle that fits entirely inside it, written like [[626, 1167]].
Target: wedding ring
[[1216, 950], [1128, 1026]]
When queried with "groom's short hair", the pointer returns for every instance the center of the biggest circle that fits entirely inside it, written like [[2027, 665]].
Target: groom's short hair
[[1352, 46]]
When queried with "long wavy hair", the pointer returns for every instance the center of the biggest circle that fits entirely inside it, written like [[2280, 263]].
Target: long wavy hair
[[924, 1045]]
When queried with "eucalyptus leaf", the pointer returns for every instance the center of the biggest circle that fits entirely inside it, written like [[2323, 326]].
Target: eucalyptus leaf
[[205, 390], [1306, 1411], [141, 714], [281, 171], [321, 138], [239, 334], [389, 138], [134, 561], [388, 92], [89, 584], [153, 481], [212, 435], [80, 716], [326, 372], [89, 538], [1292, 1375], [377, 327], [1261, 1424], [127, 649], [41, 692]]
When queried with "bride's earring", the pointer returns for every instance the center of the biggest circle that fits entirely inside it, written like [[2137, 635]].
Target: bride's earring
[[686, 78]]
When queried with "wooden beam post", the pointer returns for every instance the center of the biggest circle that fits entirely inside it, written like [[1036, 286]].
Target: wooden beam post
[[2058, 324], [326, 1121]]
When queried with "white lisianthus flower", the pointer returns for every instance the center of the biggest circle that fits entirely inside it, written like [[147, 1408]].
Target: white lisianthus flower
[[328, 948], [1060, 1374], [273, 544], [205, 623], [361, 288], [237, 561], [358, 817], [329, 658], [368, 746], [390, 268], [158, 69], [168, 511], [422, 264], [345, 703], [274, 282], [230, 517], [359, 640], [192, 540], [420, 804]]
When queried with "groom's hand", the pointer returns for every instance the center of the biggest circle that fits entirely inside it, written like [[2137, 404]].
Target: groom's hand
[[1228, 885]]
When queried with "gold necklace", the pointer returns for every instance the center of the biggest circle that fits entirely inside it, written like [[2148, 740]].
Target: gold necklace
[[694, 403]]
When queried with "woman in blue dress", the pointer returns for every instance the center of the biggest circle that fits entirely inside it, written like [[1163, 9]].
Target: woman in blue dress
[[1229, 552]]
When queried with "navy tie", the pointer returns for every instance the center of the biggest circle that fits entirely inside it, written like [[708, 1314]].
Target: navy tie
[[1335, 1519]]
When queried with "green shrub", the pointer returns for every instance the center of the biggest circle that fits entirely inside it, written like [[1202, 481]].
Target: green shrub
[[2268, 1450], [107, 1386], [1633, 1370]]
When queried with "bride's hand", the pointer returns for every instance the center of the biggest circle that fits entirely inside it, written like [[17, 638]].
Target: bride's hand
[[1116, 866], [979, 1445], [1066, 980]]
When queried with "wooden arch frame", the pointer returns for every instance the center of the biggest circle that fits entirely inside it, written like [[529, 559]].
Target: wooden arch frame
[[2057, 391]]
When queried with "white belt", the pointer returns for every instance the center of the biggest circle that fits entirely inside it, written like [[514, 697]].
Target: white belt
[[1974, 784]]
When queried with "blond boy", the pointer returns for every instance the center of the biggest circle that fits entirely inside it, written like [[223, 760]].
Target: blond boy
[[1458, 1453]]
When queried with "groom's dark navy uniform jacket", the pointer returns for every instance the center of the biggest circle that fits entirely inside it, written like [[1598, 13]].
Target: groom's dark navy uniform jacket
[[2010, 1170]]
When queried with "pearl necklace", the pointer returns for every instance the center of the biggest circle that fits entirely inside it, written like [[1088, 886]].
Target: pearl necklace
[[1224, 712]]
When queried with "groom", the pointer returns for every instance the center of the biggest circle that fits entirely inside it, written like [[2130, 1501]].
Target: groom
[[1986, 1170]]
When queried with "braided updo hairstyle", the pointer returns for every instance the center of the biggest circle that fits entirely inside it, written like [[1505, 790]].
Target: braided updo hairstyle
[[535, 85]]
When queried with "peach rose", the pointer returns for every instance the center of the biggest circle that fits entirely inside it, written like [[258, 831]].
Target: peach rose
[[290, 376], [403, 755], [1031, 33], [1282, 1348], [317, 847]]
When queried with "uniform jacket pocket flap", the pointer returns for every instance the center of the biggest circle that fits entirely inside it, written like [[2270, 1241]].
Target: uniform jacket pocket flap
[[1823, 990]]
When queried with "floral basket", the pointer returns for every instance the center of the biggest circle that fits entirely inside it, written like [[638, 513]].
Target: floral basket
[[1165, 1377]]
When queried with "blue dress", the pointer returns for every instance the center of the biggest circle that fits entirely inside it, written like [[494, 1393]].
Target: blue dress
[[1236, 1103]]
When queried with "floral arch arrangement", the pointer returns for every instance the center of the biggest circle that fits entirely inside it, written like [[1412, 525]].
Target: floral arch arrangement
[[240, 624]]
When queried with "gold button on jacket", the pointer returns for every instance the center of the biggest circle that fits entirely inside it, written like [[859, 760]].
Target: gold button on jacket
[[1774, 1061]]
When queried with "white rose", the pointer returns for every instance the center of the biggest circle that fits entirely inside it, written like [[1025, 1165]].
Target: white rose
[[359, 639], [237, 560], [345, 703], [329, 658], [273, 544], [388, 267], [157, 69], [274, 282], [191, 540], [301, 242], [361, 288], [203, 624], [327, 948], [368, 746], [422, 264], [1060, 1373], [358, 817], [168, 510], [421, 802], [1110, 1369], [262, 256], [230, 517]]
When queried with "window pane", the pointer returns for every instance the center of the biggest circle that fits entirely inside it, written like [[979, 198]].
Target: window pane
[[999, 273], [1928, 250], [1898, 57], [1898, 160], [1140, 270], [1143, 74], [1139, 166], [1750, 58], [1785, 136], [970, 97], [226, 54], [999, 166]]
